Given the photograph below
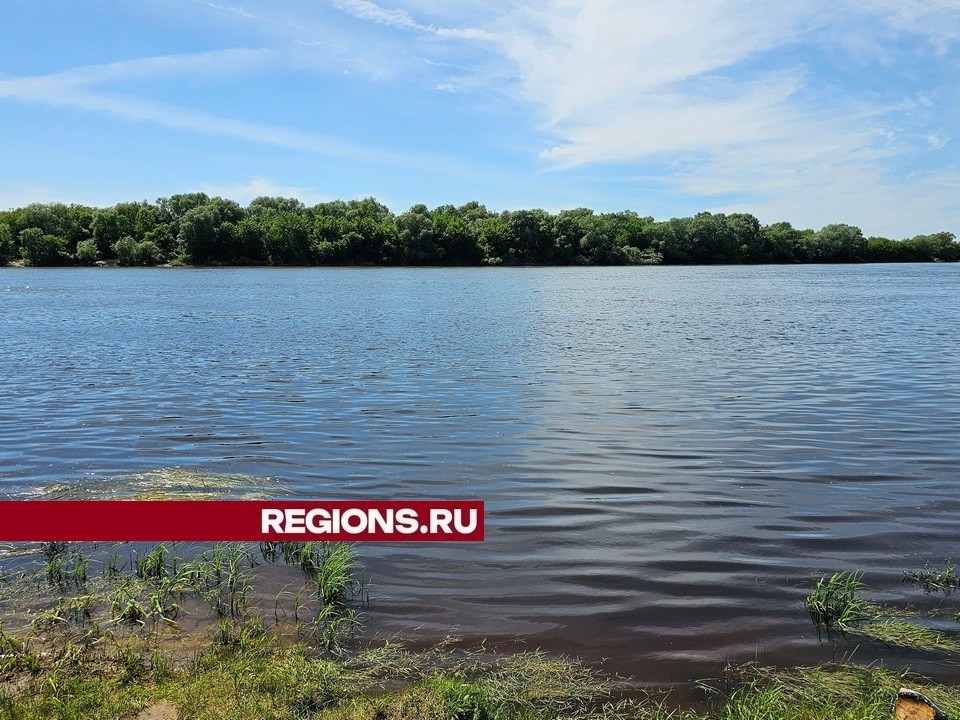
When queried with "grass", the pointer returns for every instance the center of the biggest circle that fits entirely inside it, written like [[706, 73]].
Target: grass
[[74, 587], [836, 604], [255, 676], [840, 692], [909, 634], [932, 581], [244, 672], [99, 648]]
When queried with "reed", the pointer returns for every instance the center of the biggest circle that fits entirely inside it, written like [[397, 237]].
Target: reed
[[836, 603]]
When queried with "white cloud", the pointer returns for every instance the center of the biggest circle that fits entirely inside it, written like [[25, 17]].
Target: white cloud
[[370, 11], [212, 64], [690, 85], [76, 88], [244, 192], [730, 97], [780, 105], [50, 90], [624, 79], [671, 122], [853, 192], [935, 20], [580, 60], [235, 10], [400, 19]]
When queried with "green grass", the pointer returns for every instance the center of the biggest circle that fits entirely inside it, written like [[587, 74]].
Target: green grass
[[932, 581], [908, 634], [99, 648], [245, 673], [836, 603], [836, 692], [335, 573], [262, 678]]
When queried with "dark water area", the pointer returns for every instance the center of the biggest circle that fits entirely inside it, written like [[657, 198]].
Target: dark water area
[[669, 456]]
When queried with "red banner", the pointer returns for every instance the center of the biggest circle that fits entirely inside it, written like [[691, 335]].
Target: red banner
[[241, 520]]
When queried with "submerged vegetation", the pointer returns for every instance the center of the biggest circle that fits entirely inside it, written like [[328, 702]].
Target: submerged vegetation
[[140, 593], [945, 581], [196, 229], [167, 631], [837, 607]]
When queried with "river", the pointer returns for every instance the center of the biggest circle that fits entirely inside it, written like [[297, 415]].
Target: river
[[669, 456]]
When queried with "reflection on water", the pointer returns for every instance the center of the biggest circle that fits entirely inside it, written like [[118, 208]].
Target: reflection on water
[[669, 456]]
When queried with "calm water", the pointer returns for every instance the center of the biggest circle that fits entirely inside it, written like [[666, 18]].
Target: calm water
[[669, 456]]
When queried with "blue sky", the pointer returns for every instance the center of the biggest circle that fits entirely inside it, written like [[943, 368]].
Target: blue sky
[[812, 111]]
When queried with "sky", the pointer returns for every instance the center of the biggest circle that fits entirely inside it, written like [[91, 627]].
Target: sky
[[811, 111]]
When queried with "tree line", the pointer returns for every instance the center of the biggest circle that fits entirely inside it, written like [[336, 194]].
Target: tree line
[[195, 229]]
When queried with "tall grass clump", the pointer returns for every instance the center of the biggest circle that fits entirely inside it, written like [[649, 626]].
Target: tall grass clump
[[836, 603], [335, 573]]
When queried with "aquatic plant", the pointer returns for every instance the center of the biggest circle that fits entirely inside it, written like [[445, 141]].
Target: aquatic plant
[[932, 581], [154, 563], [335, 574], [909, 634], [836, 603], [126, 605]]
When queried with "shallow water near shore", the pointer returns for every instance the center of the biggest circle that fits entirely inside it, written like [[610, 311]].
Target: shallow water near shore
[[669, 456]]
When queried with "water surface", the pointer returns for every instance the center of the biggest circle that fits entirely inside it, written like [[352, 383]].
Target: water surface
[[669, 456]]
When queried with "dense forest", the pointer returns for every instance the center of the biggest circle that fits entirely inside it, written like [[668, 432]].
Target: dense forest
[[194, 229]]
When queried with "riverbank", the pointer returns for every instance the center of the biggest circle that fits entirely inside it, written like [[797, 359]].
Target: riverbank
[[243, 676], [166, 631]]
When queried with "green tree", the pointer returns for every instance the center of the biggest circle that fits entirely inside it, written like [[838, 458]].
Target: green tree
[[249, 241], [881, 249], [6, 244], [173, 208], [128, 212], [146, 221], [36, 248], [834, 243], [473, 212], [569, 229], [672, 240], [747, 238], [106, 229], [415, 237], [711, 239], [202, 239], [132, 253], [939, 247], [87, 253], [456, 238], [374, 227], [287, 239], [260, 205], [494, 239], [532, 231], [126, 251], [779, 242], [163, 238]]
